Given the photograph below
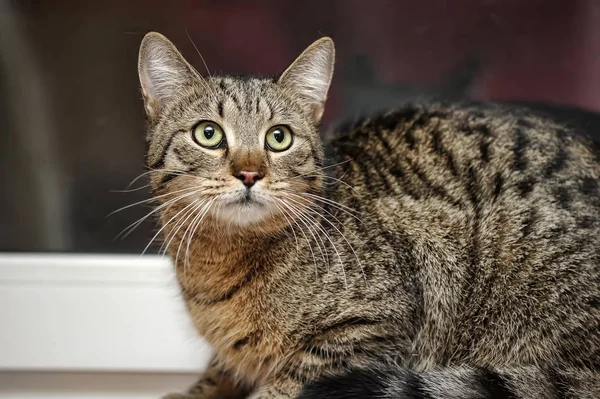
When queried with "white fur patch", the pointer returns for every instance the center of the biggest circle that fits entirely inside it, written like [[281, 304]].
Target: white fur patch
[[234, 210]]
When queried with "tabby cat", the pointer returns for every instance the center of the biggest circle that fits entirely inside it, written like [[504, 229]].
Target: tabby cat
[[437, 251]]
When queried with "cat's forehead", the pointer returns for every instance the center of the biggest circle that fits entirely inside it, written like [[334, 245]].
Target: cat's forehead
[[238, 98], [247, 85], [244, 106], [249, 97]]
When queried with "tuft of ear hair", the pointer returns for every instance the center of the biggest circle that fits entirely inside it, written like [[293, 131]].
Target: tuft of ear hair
[[162, 71], [309, 76]]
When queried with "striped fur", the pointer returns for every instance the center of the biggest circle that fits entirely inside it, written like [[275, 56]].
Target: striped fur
[[434, 251], [457, 383]]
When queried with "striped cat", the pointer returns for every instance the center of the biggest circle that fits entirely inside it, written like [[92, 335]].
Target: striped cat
[[435, 251]]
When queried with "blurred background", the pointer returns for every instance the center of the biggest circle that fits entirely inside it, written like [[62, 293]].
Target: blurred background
[[71, 115]]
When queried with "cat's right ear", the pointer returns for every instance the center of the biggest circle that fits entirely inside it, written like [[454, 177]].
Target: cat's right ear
[[162, 71]]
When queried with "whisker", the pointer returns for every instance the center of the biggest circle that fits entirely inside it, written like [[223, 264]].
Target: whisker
[[342, 235], [129, 190], [317, 225], [320, 243], [185, 225], [306, 238], [331, 202], [151, 199], [198, 51], [347, 210], [135, 224], [318, 240], [340, 181], [178, 226], [172, 171], [203, 212], [289, 222], [197, 213], [163, 227], [321, 169]]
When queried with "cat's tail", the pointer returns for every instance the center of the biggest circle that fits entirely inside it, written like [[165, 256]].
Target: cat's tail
[[457, 383]]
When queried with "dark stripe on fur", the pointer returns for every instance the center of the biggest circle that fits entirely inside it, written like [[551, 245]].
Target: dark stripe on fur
[[484, 148], [354, 384], [482, 129], [235, 100], [521, 142], [559, 385], [392, 164], [528, 223], [237, 345], [495, 385], [473, 190], [409, 134], [391, 121], [525, 187], [384, 142], [167, 177], [161, 161], [414, 387], [498, 185], [563, 196], [432, 188], [232, 291], [439, 148], [271, 111], [558, 162], [589, 186]]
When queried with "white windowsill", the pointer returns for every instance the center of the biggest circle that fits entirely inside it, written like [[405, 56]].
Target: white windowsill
[[94, 326], [94, 313]]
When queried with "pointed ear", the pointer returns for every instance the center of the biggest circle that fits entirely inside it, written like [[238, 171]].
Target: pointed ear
[[162, 71], [310, 74]]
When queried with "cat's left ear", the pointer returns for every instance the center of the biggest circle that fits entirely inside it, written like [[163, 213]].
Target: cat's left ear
[[310, 75]]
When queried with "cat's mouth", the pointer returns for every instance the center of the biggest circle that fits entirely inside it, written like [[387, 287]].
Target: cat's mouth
[[244, 207], [248, 201], [247, 198]]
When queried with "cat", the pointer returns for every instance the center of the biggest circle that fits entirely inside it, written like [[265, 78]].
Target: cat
[[438, 250]]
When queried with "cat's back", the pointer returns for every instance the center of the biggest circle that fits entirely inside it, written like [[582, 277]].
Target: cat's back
[[468, 155], [457, 167], [499, 211]]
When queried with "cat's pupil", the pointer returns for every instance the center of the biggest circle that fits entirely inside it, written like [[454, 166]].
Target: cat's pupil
[[209, 131], [278, 135]]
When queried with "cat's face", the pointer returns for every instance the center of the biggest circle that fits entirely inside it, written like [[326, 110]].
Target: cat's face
[[239, 150]]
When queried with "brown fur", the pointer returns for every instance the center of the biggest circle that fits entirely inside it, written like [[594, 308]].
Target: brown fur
[[439, 239]]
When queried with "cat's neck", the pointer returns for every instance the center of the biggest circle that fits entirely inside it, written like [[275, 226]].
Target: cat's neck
[[217, 258]]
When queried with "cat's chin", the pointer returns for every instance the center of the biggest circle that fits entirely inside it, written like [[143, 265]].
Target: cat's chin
[[244, 212]]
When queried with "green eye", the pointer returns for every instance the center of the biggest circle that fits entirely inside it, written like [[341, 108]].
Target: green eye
[[208, 134], [279, 138]]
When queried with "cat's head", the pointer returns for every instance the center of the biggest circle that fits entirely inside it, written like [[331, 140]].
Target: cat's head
[[240, 150]]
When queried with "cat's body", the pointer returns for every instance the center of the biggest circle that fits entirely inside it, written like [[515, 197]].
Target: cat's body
[[492, 219], [443, 251]]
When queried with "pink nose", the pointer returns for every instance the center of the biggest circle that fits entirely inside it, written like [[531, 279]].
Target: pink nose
[[248, 177]]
